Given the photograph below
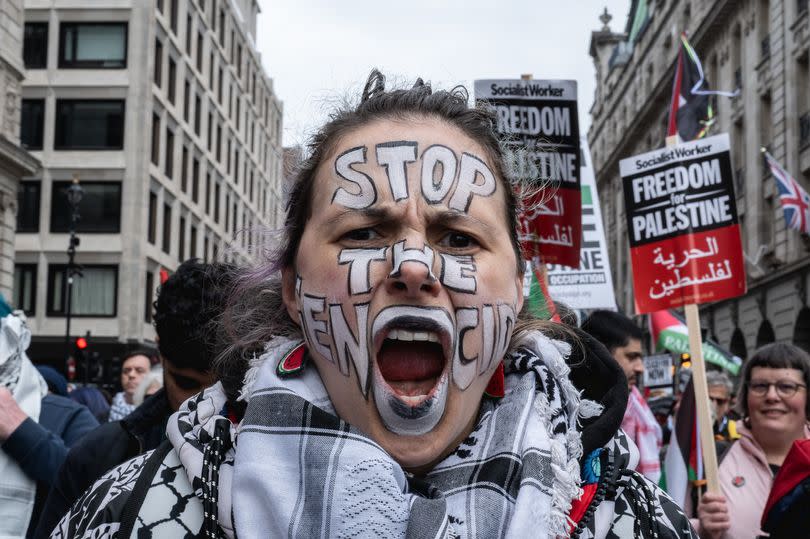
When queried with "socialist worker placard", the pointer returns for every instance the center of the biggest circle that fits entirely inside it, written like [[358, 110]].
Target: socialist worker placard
[[538, 124], [682, 222]]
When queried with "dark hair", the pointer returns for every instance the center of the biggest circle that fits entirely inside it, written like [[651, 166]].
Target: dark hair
[[775, 356], [256, 312], [148, 352], [612, 329], [94, 400], [187, 313]]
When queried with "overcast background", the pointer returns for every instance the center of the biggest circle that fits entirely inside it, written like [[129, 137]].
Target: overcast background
[[320, 51]]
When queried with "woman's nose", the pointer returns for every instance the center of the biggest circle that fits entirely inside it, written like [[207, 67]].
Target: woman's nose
[[412, 272]]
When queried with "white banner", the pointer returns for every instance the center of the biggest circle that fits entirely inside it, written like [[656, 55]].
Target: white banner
[[589, 286]]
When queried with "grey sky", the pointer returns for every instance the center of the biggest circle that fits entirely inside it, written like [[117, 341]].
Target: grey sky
[[320, 51]]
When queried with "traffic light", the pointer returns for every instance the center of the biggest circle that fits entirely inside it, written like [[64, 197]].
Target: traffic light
[[686, 360]]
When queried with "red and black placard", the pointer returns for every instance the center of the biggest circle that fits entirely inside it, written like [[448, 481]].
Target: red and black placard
[[682, 224], [537, 120]]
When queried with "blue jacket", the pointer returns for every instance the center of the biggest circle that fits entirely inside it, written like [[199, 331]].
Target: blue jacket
[[41, 448]]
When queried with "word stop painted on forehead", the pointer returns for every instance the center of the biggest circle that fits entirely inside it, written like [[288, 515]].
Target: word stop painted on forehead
[[440, 171]]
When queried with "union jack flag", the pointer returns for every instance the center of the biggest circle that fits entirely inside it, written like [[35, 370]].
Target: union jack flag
[[795, 200]]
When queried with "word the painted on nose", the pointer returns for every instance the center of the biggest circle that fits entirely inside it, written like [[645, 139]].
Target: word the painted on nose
[[441, 173], [457, 272]]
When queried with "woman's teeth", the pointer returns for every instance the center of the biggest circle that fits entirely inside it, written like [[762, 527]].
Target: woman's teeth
[[406, 335]]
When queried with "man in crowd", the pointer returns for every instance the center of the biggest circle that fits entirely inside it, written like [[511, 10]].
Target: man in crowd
[[134, 367], [36, 429], [720, 391], [187, 305], [622, 338]]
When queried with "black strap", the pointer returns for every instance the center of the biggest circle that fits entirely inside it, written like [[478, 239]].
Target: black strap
[[138, 495]]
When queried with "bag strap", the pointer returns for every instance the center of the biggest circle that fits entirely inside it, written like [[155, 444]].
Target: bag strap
[[141, 488]]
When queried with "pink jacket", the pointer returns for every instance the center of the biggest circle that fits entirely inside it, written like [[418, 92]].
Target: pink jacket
[[745, 481]]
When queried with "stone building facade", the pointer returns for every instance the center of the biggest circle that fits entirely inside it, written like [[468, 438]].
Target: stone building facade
[[762, 48], [163, 111], [15, 162]]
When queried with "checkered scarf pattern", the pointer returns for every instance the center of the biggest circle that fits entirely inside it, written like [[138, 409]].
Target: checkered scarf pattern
[[298, 470]]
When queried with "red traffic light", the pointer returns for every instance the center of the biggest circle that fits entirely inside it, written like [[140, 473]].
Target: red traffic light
[[81, 343]]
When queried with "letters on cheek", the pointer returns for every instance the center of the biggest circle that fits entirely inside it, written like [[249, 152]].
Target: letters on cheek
[[440, 172]]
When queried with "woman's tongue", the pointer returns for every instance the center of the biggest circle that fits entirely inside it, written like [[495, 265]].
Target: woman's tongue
[[411, 368]]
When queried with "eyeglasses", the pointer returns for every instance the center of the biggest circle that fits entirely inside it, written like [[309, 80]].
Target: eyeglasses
[[783, 389]]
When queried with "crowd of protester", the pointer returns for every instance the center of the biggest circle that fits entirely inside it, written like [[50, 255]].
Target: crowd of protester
[[82, 462]]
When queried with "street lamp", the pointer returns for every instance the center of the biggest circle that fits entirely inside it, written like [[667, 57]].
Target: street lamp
[[74, 196]]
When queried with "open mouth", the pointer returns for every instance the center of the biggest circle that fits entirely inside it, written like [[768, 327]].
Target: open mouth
[[413, 351]]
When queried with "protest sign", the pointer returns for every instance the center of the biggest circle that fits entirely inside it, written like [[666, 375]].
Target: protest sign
[[657, 371], [682, 224], [537, 119], [589, 286]]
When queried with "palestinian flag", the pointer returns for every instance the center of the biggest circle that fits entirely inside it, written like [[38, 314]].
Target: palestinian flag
[[535, 292], [683, 463], [669, 333], [691, 111]]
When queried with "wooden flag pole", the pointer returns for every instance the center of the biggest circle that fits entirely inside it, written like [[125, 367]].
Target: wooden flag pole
[[705, 429]]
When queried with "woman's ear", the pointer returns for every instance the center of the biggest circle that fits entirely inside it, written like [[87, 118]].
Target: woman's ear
[[288, 295]]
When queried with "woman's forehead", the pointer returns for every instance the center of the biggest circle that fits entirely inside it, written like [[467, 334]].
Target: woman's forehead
[[392, 160], [776, 373]]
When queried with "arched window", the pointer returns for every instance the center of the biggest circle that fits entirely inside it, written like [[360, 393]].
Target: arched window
[[801, 332], [737, 345], [765, 334]]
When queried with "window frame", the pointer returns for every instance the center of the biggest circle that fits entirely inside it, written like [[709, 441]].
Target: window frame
[[40, 129], [15, 292], [60, 145], [53, 268], [81, 226], [44, 63], [90, 64], [38, 210]]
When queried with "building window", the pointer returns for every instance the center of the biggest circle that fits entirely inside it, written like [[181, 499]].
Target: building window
[[210, 132], [158, 75], [28, 207], [206, 243], [35, 45], [184, 170], [93, 294], [197, 114], [99, 209], [216, 203], [219, 86], [169, 168], [173, 15], [195, 180], [167, 228], [219, 144], [89, 124], [32, 123], [188, 34], [155, 139], [199, 52], [172, 82], [192, 242], [187, 101], [93, 45], [181, 246], [151, 231], [208, 193], [25, 288], [150, 292]]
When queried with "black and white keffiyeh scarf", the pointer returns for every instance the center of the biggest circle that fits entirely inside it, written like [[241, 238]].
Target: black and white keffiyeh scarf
[[293, 468]]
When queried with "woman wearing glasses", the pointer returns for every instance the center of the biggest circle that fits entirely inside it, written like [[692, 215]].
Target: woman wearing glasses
[[775, 411]]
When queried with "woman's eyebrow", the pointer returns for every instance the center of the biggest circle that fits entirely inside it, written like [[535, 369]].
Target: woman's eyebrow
[[448, 218], [378, 214]]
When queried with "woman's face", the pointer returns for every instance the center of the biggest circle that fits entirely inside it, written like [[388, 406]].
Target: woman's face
[[774, 412], [405, 283]]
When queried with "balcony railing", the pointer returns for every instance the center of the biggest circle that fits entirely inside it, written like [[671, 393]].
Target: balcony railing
[[765, 50], [804, 129]]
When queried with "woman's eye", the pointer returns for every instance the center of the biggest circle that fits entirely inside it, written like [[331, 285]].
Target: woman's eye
[[361, 234], [458, 240]]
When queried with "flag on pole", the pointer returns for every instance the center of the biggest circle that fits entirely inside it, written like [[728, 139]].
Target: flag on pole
[[683, 462], [669, 332], [795, 200], [691, 111], [535, 290]]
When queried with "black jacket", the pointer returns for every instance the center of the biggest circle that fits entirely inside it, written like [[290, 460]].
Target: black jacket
[[101, 450]]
